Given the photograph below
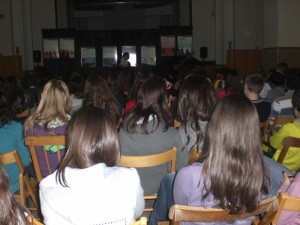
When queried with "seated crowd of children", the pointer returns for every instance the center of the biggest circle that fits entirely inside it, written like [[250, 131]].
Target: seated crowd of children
[[105, 117]]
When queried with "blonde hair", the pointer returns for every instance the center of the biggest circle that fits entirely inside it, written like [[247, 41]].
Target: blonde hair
[[55, 103]]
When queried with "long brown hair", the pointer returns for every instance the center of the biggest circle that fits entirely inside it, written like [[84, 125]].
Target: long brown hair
[[196, 101], [92, 138], [234, 167], [55, 103], [97, 93], [152, 100], [12, 212]]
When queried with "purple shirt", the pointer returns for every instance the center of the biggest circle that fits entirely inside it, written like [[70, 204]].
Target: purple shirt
[[189, 188], [52, 157]]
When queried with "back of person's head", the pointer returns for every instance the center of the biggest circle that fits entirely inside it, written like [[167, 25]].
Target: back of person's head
[[2, 82], [296, 101], [92, 138], [277, 79], [113, 82], [140, 78], [125, 55], [97, 93], [234, 167], [6, 115], [13, 87], [282, 68], [196, 101], [292, 81], [76, 85], [152, 100], [12, 212], [55, 103], [125, 81], [14, 91], [255, 83]]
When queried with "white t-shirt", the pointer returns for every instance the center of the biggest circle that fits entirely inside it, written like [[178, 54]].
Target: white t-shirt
[[95, 195], [124, 63]]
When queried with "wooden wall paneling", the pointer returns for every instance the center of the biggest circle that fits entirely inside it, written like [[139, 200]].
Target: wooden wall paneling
[[290, 55], [270, 58], [245, 61], [10, 65]]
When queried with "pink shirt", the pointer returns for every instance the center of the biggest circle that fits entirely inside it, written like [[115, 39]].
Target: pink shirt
[[289, 217]]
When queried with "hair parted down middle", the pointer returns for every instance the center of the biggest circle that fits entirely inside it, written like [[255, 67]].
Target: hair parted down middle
[[55, 103], [152, 100], [234, 168], [92, 138]]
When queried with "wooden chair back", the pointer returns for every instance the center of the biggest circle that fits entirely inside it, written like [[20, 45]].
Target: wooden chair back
[[195, 155], [281, 120], [23, 114], [150, 161], [180, 213], [141, 221], [287, 143], [286, 203], [33, 141], [27, 185], [33, 220], [264, 130], [177, 123]]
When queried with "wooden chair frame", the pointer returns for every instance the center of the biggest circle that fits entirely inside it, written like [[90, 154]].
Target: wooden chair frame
[[286, 203], [141, 221], [281, 120], [33, 220], [33, 141], [287, 143], [269, 130], [27, 185], [150, 161], [180, 213]]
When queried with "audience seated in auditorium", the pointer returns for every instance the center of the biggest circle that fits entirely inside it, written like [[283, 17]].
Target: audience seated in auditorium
[[264, 92], [97, 93], [147, 129], [292, 158], [292, 187], [276, 84], [113, 81], [253, 86], [225, 176], [12, 212], [50, 118], [282, 105], [196, 101], [76, 86], [140, 78], [17, 99], [282, 68], [11, 138], [229, 85], [221, 77], [89, 187]]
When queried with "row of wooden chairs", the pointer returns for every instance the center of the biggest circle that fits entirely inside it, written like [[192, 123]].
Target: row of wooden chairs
[[125, 161], [270, 208], [128, 161], [27, 186]]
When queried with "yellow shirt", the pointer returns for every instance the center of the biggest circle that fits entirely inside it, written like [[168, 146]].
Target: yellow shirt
[[292, 158]]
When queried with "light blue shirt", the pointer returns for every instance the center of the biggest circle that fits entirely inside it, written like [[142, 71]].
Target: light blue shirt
[[11, 138]]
